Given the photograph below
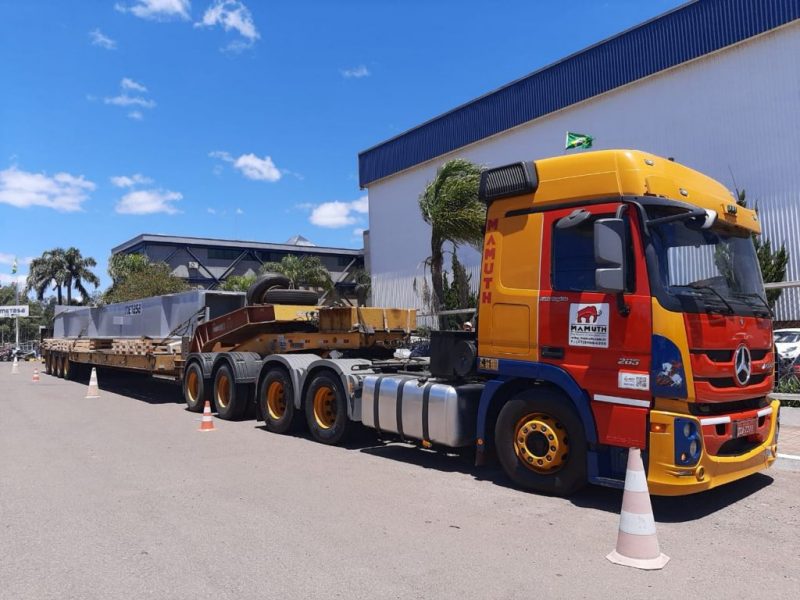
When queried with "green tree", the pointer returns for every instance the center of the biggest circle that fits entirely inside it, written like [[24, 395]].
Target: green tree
[[134, 276], [301, 270], [457, 295], [450, 205], [78, 270], [363, 287], [237, 283], [47, 270], [773, 262]]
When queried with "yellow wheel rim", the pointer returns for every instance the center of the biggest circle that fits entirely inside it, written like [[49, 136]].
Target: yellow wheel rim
[[541, 443], [276, 400], [325, 407], [192, 385], [223, 391], [66, 367]]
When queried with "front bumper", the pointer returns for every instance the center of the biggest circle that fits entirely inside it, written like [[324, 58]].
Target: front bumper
[[665, 478]]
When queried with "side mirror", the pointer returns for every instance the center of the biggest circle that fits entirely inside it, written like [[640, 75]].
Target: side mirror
[[610, 252]]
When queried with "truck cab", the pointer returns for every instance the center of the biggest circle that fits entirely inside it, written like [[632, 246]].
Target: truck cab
[[621, 306]]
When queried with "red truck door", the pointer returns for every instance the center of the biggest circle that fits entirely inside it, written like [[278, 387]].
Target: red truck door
[[606, 349]]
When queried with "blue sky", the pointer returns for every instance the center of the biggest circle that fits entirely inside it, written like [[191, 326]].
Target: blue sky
[[241, 120]]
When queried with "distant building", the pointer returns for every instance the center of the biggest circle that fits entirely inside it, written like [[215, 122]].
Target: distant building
[[207, 262]]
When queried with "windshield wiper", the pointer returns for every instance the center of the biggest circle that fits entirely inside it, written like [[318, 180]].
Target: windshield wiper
[[701, 287], [760, 299]]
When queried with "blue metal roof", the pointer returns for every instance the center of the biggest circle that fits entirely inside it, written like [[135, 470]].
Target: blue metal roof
[[685, 33]]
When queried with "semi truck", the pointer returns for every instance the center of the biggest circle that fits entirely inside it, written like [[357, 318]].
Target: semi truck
[[620, 306]]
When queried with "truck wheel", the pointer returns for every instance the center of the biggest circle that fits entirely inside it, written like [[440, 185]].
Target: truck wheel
[[194, 392], [540, 442], [59, 366], [67, 368], [276, 395], [229, 398], [326, 409], [48, 364]]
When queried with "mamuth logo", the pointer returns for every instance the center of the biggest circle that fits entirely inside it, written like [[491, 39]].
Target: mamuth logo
[[670, 374], [588, 325]]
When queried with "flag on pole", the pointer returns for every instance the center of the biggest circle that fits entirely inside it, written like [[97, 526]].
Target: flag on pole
[[14, 266], [578, 140]]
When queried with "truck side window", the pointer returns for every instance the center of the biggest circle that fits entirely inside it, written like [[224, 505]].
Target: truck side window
[[573, 264]]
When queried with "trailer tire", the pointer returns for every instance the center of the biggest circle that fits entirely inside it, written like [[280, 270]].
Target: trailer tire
[[230, 398], [69, 373], [48, 364], [299, 297], [194, 387], [264, 283], [59, 366], [326, 409], [540, 442], [276, 402]]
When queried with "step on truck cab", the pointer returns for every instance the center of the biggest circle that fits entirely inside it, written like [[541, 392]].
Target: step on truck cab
[[621, 306]]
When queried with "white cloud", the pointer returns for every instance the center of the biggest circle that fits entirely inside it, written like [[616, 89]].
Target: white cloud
[[124, 181], [251, 166], [158, 10], [148, 202], [232, 15], [356, 72], [239, 211], [8, 259], [102, 40], [338, 214], [260, 169], [358, 231], [125, 100], [62, 192], [129, 84], [136, 115], [6, 279], [211, 211]]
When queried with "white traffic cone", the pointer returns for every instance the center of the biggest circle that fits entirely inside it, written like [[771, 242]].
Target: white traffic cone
[[207, 422], [637, 544], [93, 391], [15, 367], [35, 375]]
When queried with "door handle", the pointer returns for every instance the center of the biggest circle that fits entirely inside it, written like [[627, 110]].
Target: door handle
[[552, 352]]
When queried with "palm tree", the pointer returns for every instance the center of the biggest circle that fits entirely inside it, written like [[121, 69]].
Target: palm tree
[[450, 205], [49, 269], [303, 270], [77, 272]]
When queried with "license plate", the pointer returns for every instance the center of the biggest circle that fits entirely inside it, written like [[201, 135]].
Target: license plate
[[745, 427]]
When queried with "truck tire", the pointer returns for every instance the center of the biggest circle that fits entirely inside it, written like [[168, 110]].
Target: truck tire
[[48, 364], [59, 366], [263, 283], [68, 370], [300, 297], [326, 409], [276, 397], [540, 442], [194, 387], [230, 398]]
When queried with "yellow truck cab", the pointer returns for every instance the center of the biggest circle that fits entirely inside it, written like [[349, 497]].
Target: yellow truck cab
[[621, 293]]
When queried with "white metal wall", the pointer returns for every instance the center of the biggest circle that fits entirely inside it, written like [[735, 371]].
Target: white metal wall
[[734, 112]]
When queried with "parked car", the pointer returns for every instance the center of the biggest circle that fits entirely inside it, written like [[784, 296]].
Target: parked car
[[787, 343]]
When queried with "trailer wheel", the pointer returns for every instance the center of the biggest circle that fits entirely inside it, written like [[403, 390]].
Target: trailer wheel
[[326, 409], [67, 368], [276, 397], [194, 392], [48, 364], [59, 366], [230, 398], [298, 297], [540, 442]]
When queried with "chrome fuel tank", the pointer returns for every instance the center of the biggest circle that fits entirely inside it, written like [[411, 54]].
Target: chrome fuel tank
[[421, 409]]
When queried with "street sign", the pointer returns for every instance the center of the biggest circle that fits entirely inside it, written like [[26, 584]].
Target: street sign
[[8, 312]]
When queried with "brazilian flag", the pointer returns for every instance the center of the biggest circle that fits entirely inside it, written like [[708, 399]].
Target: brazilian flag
[[578, 140], [14, 267]]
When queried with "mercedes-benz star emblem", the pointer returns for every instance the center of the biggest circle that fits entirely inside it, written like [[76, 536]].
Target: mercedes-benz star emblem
[[742, 365]]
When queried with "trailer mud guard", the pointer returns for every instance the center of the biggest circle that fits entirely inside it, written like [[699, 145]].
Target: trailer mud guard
[[246, 365], [350, 381], [296, 365]]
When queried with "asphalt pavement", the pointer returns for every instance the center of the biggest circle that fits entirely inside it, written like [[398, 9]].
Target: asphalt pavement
[[122, 497]]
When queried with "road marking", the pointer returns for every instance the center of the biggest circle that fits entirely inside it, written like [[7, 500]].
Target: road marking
[[789, 456]]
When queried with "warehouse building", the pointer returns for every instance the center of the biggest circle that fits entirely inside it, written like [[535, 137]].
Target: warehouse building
[[207, 262], [714, 84]]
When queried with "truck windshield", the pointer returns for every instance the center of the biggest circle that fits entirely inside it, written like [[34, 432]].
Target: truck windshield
[[705, 270]]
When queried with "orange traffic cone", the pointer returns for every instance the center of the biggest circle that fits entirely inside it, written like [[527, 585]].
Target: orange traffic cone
[[93, 391], [637, 544], [207, 422], [35, 375], [15, 367]]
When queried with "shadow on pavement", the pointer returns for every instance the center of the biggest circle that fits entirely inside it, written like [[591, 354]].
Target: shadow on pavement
[[136, 386]]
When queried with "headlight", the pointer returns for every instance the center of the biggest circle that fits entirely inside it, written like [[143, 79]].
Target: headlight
[[687, 442], [687, 431], [693, 448]]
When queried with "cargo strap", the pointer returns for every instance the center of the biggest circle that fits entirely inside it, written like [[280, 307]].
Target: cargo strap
[[426, 400], [376, 417]]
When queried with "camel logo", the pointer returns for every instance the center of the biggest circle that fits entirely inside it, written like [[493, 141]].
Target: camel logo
[[588, 325]]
